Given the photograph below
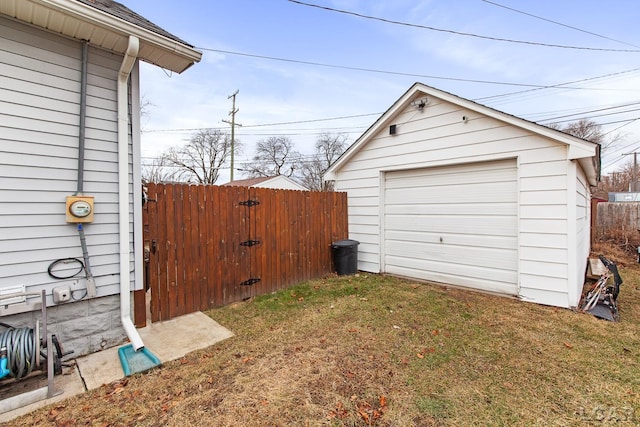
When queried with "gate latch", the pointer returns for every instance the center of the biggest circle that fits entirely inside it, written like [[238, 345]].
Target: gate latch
[[250, 243], [250, 282], [249, 203]]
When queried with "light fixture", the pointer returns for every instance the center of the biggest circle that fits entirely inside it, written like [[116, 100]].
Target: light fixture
[[420, 103]]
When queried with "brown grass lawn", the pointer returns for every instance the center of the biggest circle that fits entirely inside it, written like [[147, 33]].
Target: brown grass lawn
[[375, 350]]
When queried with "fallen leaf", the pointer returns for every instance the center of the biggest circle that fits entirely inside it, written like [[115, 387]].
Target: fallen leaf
[[301, 299], [420, 356], [566, 344], [434, 332], [264, 402], [383, 401]]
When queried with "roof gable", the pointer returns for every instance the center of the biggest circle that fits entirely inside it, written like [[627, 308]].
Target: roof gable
[[278, 181], [106, 24], [578, 149]]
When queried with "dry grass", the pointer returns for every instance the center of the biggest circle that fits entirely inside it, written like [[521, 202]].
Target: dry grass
[[374, 350]]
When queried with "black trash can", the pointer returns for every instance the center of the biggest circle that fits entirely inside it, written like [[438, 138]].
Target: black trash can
[[345, 256]]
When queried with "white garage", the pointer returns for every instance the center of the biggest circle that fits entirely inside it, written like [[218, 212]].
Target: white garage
[[447, 190]]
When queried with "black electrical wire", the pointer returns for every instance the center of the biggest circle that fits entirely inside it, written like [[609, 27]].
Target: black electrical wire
[[65, 261], [459, 33], [559, 23]]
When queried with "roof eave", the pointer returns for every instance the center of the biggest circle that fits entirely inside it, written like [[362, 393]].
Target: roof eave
[[102, 29]]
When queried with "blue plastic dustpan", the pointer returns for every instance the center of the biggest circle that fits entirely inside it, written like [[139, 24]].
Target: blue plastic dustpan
[[134, 362]]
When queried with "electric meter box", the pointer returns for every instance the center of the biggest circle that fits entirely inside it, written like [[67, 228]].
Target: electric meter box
[[79, 209]]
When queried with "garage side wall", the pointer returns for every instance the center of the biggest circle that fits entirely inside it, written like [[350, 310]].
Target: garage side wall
[[444, 134], [583, 235]]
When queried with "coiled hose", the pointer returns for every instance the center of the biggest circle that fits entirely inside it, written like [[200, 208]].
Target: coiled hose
[[21, 351]]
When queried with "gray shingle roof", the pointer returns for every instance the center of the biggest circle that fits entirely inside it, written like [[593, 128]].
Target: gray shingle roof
[[121, 11]]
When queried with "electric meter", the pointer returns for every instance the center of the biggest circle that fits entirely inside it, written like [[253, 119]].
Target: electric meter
[[79, 209]]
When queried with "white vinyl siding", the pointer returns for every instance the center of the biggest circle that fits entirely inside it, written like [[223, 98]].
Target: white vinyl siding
[[583, 235], [438, 136], [39, 127], [454, 224]]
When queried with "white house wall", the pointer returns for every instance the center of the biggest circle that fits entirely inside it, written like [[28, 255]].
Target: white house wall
[[439, 136], [39, 127]]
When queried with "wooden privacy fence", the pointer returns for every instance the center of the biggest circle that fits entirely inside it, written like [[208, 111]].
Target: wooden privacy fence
[[619, 221], [208, 246]]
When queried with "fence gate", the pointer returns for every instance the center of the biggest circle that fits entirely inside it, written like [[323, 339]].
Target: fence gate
[[207, 246]]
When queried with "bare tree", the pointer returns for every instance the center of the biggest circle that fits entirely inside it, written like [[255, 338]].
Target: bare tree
[[274, 156], [328, 148], [590, 131], [202, 158], [157, 171]]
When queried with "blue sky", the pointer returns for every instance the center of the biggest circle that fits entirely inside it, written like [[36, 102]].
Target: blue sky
[[277, 92]]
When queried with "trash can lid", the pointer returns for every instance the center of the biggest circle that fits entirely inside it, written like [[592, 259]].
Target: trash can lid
[[345, 243]]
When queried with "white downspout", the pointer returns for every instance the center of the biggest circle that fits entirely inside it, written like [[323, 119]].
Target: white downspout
[[123, 191]]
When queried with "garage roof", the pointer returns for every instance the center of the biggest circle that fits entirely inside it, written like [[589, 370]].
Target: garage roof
[[106, 24], [585, 152]]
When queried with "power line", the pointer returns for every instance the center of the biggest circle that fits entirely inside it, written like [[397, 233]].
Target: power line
[[620, 127], [558, 23], [554, 121], [314, 120], [390, 21], [596, 111], [395, 73], [326, 119], [559, 85]]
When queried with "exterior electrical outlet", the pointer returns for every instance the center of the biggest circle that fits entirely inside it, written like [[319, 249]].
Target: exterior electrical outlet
[[79, 209], [61, 294]]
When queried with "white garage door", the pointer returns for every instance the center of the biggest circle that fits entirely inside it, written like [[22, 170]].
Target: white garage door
[[455, 224]]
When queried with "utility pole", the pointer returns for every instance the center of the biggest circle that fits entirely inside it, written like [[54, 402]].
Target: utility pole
[[233, 124], [634, 179]]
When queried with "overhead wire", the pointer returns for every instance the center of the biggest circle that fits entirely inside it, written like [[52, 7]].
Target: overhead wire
[[396, 73], [560, 85], [460, 33], [558, 23]]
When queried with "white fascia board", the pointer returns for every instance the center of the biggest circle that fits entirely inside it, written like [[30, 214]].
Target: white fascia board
[[98, 18]]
